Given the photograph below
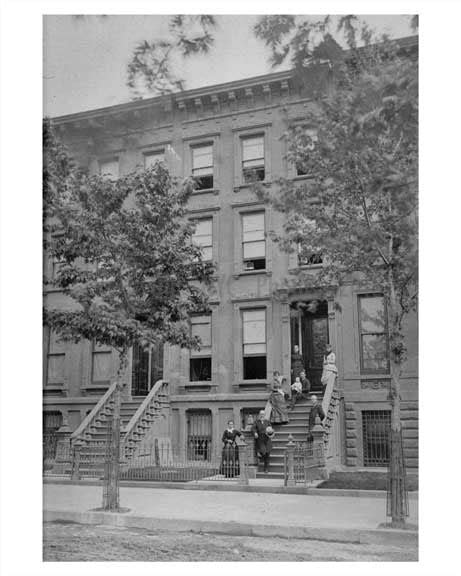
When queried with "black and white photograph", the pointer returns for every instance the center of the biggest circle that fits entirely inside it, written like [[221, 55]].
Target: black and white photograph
[[229, 223]]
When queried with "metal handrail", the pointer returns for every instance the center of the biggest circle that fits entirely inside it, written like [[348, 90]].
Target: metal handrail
[[90, 417], [142, 409]]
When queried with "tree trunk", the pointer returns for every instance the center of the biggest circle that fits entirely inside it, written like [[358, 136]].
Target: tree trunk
[[111, 496], [397, 495]]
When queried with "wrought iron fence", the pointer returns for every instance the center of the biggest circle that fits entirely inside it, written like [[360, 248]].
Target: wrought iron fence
[[50, 441], [301, 461], [161, 462]]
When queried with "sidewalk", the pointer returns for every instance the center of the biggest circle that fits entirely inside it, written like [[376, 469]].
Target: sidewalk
[[346, 519]]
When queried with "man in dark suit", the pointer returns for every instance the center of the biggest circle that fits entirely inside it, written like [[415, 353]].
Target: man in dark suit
[[316, 410], [263, 434]]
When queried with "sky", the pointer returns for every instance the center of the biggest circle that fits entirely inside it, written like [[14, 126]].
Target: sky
[[85, 59]]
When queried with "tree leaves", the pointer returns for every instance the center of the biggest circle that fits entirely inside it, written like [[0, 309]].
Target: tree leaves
[[128, 262]]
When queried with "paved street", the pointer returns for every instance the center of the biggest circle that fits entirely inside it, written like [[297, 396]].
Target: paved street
[[65, 542]]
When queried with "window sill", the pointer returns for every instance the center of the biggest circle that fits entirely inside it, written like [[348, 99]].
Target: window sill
[[214, 191], [252, 272], [239, 187], [302, 177]]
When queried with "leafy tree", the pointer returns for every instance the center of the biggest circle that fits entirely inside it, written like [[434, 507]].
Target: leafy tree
[[126, 255], [359, 147], [151, 68]]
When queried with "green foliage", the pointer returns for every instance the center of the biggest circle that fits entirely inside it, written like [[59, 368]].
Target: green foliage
[[358, 205], [126, 257], [151, 68]]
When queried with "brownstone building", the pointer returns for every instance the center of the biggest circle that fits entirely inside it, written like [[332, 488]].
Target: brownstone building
[[218, 134]]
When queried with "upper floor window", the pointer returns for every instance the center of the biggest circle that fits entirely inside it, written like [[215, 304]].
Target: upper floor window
[[253, 241], [56, 359], [109, 168], [152, 158], [253, 166], [373, 333], [307, 140], [200, 360], [202, 166], [306, 258], [254, 344], [203, 237], [101, 363]]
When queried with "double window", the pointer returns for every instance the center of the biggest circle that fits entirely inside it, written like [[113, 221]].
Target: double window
[[203, 237], [202, 166], [254, 344], [200, 360], [373, 332], [253, 241], [253, 165]]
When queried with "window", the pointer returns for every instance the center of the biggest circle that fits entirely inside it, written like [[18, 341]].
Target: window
[[308, 139], [101, 363], [375, 433], [254, 344], [308, 259], [253, 158], [152, 158], [199, 434], [147, 368], [200, 360], [109, 168], [374, 345], [56, 360], [203, 237], [254, 243], [202, 166]]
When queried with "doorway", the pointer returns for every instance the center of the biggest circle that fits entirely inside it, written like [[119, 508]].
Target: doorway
[[309, 330], [147, 368]]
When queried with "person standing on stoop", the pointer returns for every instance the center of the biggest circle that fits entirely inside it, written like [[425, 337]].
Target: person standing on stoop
[[316, 410], [263, 434]]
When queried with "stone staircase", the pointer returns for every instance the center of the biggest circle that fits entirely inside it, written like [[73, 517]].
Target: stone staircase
[[298, 427], [92, 452]]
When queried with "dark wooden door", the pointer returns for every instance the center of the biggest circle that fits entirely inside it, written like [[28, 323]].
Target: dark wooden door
[[314, 329]]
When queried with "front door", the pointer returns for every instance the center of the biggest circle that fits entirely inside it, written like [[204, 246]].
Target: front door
[[147, 368], [314, 338]]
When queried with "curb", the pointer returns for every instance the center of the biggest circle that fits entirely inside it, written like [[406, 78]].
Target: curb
[[236, 488], [349, 535]]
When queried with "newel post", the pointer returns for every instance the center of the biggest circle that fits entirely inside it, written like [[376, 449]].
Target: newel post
[[62, 461], [290, 451], [243, 459], [318, 445]]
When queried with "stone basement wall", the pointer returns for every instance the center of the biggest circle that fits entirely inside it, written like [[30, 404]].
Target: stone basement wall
[[409, 417]]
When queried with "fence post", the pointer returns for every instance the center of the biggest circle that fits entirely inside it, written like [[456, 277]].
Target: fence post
[[243, 459], [318, 448], [62, 461], [291, 481], [75, 477]]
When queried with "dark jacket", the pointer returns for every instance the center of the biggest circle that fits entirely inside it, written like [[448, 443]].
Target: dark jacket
[[263, 442], [297, 365], [316, 410]]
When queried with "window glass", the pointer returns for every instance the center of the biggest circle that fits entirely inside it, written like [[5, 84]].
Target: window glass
[[202, 160], [374, 345], [254, 331], [253, 151], [201, 327], [203, 237], [254, 244]]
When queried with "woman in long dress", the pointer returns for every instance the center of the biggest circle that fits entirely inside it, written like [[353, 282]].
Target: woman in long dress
[[230, 465], [278, 405], [330, 371]]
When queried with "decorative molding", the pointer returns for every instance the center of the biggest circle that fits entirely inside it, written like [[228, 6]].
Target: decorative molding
[[375, 384]]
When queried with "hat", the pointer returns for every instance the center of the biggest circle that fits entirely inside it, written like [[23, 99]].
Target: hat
[[269, 430]]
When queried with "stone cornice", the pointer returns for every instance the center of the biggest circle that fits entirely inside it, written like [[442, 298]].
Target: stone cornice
[[213, 96]]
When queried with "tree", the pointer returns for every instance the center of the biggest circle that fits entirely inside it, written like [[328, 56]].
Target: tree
[[359, 145], [127, 261], [151, 68]]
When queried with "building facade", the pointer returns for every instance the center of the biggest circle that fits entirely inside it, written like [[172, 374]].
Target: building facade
[[219, 135]]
